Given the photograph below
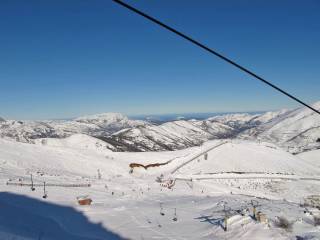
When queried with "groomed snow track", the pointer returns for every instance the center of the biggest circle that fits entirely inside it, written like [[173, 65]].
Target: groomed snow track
[[194, 157]]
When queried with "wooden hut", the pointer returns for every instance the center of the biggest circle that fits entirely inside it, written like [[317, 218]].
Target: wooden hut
[[84, 200]]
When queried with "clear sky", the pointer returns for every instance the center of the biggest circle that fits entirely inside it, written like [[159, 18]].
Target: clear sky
[[61, 59]]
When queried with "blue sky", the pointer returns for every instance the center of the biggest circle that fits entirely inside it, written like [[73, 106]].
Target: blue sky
[[60, 59]]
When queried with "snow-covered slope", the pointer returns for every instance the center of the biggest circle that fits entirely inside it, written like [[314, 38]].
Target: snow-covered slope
[[77, 141], [181, 134], [95, 125], [127, 205], [248, 157], [21, 159], [311, 157], [110, 122], [171, 135], [296, 130], [26, 131]]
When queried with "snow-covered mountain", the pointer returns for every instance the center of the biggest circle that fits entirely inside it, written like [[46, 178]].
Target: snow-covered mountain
[[297, 130], [181, 134], [26, 131], [170, 136], [95, 125], [109, 123]]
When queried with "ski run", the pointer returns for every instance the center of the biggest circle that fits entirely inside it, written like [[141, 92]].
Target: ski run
[[223, 189]]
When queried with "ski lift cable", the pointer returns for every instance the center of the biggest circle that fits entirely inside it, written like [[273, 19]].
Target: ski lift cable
[[171, 29]]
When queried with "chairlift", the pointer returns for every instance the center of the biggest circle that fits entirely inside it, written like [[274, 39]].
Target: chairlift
[[32, 186], [175, 215], [44, 190]]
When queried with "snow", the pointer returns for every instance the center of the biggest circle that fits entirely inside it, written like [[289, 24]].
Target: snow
[[110, 119], [269, 116], [127, 205], [299, 128], [77, 141], [173, 135], [248, 157], [294, 130], [95, 125], [311, 157], [242, 117]]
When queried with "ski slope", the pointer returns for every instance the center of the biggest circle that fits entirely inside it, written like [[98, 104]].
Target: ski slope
[[311, 157], [248, 157], [127, 206], [77, 141]]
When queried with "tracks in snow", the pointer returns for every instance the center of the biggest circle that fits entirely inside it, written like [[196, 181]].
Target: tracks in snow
[[194, 157]]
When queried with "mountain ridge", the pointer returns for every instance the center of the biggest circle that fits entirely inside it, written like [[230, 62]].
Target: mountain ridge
[[296, 130]]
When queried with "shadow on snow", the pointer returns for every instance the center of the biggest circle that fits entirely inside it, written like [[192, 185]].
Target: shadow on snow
[[214, 221], [30, 218]]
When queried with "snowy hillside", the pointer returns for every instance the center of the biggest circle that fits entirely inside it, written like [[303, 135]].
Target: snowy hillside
[[248, 157], [138, 205], [296, 130], [77, 141], [101, 125], [311, 157], [171, 135], [181, 134], [26, 131], [110, 122]]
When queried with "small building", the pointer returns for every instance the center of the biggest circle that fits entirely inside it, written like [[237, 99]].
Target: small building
[[84, 200]]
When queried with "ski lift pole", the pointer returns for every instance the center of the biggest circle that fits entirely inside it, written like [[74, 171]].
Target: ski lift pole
[[175, 215], [44, 190], [254, 204], [32, 187], [226, 215]]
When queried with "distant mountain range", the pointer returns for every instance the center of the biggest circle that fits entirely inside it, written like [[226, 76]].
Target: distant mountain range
[[162, 118], [295, 130]]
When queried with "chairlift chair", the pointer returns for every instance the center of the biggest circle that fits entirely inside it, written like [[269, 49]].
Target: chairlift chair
[[161, 210], [175, 215]]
